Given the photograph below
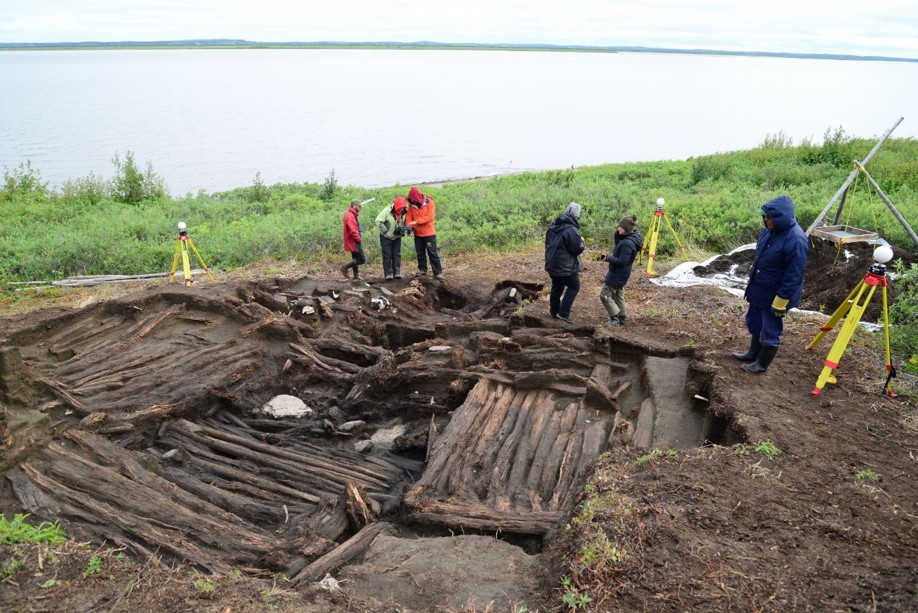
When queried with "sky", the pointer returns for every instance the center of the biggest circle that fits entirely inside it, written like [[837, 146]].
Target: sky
[[878, 28]]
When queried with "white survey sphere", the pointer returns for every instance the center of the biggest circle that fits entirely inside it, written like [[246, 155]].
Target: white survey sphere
[[883, 254], [660, 202], [182, 226]]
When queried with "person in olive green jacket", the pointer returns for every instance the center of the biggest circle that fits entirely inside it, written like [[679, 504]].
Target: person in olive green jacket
[[391, 222]]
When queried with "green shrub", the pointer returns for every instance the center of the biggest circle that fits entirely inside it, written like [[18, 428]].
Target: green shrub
[[710, 168], [23, 184], [903, 315], [89, 190], [131, 186], [329, 187]]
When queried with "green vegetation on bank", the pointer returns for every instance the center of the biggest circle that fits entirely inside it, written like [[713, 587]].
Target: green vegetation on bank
[[127, 224]]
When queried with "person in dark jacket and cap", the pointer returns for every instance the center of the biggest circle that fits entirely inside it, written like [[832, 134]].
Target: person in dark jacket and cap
[[563, 246], [628, 243], [775, 281]]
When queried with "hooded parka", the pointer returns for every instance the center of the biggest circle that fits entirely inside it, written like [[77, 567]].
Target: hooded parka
[[780, 257]]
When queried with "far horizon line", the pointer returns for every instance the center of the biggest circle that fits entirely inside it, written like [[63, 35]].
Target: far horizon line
[[224, 42]]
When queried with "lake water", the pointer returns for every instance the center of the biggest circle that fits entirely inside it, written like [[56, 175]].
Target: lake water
[[212, 119]]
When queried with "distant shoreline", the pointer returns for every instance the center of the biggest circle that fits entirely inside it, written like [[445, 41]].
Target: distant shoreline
[[416, 46]]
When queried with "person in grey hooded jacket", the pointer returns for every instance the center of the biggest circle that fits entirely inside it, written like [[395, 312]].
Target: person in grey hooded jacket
[[563, 246], [775, 281]]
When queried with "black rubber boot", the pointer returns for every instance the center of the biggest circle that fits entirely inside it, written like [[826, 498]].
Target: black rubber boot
[[345, 268], [755, 346], [766, 355]]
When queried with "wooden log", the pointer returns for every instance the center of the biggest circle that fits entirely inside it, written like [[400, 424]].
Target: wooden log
[[475, 516], [269, 455], [643, 431], [148, 324], [58, 345], [598, 394], [367, 354], [163, 536], [623, 387], [135, 498], [466, 461], [498, 496], [495, 459], [541, 379], [540, 455], [478, 457], [594, 443], [72, 402], [342, 554], [116, 370], [209, 493], [570, 464], [32, 498], [256, 481], [442, 449], [356, 508], [539, 415], [550, 470]]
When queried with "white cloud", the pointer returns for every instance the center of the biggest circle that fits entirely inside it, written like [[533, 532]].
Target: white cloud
[[883, 27]]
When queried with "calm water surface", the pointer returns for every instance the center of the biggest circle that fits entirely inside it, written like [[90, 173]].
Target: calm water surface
[[212, 119]]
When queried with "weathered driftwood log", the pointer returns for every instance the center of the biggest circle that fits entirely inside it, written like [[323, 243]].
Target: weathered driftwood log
[[475, 516], [322, 467], [343, 554], [358, 512]]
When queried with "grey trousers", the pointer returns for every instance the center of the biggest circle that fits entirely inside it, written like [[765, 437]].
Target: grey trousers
[[613, 298]]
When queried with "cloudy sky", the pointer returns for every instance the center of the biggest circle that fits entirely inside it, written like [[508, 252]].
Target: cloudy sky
[[880, 27]]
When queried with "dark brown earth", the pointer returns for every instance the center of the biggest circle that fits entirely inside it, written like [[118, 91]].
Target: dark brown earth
[[132, 420]]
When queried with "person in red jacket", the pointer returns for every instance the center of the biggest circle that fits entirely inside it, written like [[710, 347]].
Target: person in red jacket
[[421, 213], [352, 241]]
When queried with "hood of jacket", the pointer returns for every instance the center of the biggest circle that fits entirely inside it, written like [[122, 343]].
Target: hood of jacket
[[564, 219], [781, 211]]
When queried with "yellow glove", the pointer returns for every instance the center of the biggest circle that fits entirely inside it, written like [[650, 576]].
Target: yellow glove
[[779, 306]]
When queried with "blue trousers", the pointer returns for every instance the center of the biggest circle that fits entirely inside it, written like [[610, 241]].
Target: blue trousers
[[562, 306], [762, 323]]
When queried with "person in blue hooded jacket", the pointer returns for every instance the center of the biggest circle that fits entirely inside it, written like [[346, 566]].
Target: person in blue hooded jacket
[[563, 246], [775, 281], [628, 243]]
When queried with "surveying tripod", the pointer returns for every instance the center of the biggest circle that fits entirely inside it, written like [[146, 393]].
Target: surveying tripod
[[181, 250], [653, 234], [854, 306]]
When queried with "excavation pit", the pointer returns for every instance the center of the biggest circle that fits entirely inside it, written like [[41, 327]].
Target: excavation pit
[[138, 422]]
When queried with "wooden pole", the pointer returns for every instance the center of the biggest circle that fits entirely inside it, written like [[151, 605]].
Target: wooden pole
[[850, 179], [892, 208]]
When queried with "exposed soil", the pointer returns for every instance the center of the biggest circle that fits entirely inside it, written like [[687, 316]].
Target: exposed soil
[[454, 427]]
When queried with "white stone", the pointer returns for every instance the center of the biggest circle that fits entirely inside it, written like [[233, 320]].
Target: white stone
[[286, 406], [439, 348], [385, 438], [352, 426]]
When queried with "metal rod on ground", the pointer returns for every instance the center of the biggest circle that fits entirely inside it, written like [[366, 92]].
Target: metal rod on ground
[[851, 177]]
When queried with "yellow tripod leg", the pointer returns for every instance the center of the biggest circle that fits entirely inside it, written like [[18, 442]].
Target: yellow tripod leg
[[644, 244], [845, 306], [175, 259], [841, 343], [889, 367], [200, 259], [675, 236], [186, 265], [654, 235]]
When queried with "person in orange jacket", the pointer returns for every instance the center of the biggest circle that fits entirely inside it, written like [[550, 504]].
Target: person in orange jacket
[[352, 240], [421, 213]]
